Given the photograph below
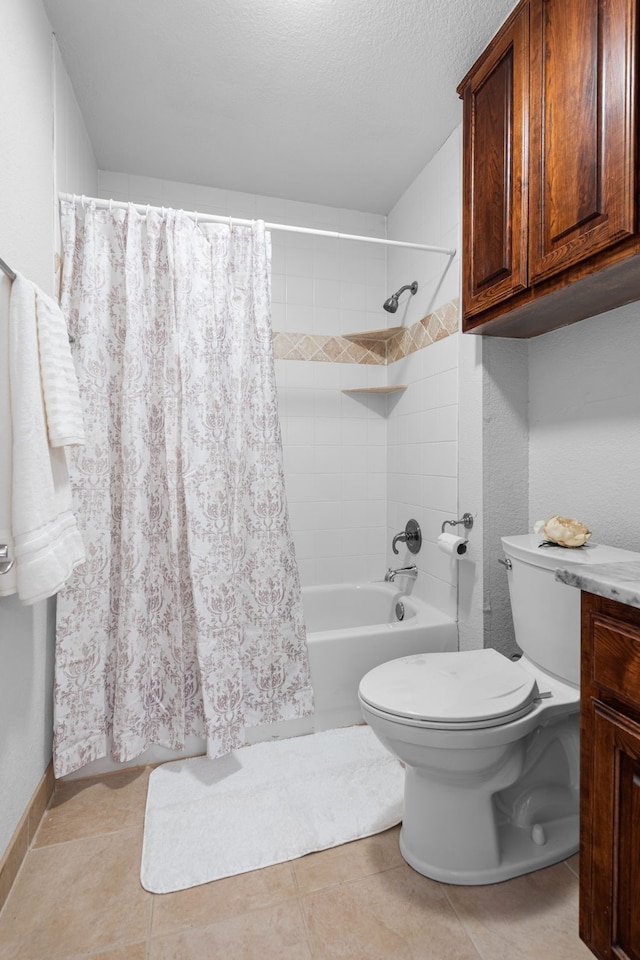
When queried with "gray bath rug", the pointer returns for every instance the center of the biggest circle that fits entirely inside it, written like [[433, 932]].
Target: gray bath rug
[[264, 804]]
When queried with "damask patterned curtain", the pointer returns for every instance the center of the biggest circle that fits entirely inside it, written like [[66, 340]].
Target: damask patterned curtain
[[186, 617]]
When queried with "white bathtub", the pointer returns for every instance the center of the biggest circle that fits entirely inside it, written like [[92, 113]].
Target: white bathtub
[[353, 627]]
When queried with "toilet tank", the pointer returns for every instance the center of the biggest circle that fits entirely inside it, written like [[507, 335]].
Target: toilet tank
[[546, 614]]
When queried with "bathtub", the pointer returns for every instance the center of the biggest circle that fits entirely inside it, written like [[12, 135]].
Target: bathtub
[[352, 628]]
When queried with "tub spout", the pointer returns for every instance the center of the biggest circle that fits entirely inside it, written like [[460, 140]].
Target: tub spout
[[411, 572]]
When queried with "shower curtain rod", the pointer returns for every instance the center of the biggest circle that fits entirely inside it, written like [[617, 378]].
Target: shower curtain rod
[[214, 218]]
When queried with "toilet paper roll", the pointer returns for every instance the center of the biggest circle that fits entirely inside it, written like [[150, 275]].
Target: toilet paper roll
[[454, 546]]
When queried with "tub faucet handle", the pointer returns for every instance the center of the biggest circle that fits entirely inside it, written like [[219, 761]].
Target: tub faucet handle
[[411, 535]]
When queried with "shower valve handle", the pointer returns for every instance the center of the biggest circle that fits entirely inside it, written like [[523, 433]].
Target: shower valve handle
[[411, 535]]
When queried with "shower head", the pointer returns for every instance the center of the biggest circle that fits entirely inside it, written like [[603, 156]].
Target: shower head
[[391, 305]]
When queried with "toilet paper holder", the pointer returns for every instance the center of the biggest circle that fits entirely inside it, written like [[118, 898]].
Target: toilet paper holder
[[466, 520]]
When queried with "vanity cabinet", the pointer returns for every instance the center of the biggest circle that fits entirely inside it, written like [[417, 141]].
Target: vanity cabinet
[[549, 168], [610, 779]]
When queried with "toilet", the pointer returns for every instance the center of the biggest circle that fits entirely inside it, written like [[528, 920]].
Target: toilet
[[491, 745]]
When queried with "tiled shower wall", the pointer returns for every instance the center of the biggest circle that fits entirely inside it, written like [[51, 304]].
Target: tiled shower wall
[[345, 453], [422, 429], [334, 443]]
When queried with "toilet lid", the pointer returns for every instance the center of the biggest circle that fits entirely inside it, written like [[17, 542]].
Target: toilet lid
[[475, 686]]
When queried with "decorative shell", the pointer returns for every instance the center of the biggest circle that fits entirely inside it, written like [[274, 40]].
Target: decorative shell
[[564, 531]]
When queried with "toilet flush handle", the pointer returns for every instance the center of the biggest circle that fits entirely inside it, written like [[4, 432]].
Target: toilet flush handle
[[505, 562]]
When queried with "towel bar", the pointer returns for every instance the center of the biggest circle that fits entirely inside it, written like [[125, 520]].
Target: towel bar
[[5, 563]]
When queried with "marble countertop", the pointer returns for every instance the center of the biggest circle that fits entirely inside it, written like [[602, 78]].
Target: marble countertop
[[616, 581]]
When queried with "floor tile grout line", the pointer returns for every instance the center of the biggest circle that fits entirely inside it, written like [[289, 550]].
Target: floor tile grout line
[[460, 919], [570, 869], [212, 923], [307, 931], [88, 836], [346, 883], [100, 951], [151, 919]]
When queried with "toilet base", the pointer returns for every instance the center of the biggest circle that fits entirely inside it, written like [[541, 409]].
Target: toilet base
[[519, 853]]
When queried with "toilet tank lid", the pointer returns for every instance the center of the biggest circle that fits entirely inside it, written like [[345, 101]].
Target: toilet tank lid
[[528, 548], [456, 687]]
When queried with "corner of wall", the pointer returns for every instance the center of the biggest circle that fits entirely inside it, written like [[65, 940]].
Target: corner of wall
[[470, 490], [505, 476]]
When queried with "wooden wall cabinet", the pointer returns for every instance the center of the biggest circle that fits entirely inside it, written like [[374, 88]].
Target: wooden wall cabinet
[[549, 168], [610, 779], [494, 253]]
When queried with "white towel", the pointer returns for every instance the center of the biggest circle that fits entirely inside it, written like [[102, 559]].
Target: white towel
[[45, 416]]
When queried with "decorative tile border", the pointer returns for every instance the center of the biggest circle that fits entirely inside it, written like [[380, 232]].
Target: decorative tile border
[[368, 349], [306, 346]]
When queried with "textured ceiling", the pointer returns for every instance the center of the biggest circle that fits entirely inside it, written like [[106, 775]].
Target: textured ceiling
[[339, 102]]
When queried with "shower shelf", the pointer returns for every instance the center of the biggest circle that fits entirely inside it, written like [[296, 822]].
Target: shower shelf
[[394, 389], [387, 333], [380, 336]]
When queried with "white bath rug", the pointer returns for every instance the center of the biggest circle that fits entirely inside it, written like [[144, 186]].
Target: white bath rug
[[264, 804]]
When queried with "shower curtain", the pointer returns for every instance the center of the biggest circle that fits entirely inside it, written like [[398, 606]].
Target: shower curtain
[[186, 616]]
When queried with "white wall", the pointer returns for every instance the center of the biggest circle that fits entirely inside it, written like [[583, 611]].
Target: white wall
[[505, 456], [27, 231], [26, 244], [75, 169], [561, 434], [584, 425], [428, 212], [471, 490]]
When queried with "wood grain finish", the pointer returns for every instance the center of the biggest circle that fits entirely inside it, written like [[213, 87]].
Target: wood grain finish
[[582, 108], [495, 188], [616, 658], [610, 779], [574, 161]]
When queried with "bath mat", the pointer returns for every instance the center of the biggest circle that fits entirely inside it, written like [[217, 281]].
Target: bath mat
[[264, 804]]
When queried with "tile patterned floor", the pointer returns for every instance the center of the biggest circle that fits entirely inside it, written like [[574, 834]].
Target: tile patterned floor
[[78, 895]]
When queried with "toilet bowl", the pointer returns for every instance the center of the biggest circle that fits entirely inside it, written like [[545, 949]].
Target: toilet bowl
[[491, 745]]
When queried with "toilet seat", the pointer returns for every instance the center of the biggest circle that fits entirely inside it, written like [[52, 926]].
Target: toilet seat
[[450, 691]]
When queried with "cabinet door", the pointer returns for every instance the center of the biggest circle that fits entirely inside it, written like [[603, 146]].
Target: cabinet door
[[613, 848], [494, 195], [582, 130]]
